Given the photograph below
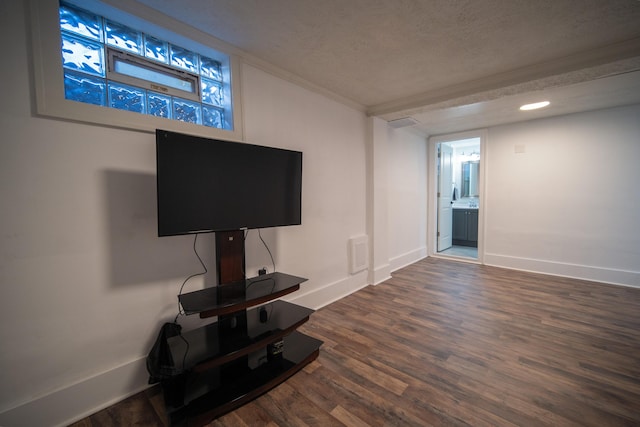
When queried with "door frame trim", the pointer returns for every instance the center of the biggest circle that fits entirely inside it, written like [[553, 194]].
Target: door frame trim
[[432, 189]]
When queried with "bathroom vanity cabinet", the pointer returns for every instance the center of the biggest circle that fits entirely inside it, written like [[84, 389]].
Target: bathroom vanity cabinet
[[465, 227]]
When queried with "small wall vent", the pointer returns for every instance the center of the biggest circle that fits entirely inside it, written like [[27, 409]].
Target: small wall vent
[[358, 254], [403, 122]]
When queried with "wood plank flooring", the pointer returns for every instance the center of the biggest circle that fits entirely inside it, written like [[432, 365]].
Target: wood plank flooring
[[448, 343]]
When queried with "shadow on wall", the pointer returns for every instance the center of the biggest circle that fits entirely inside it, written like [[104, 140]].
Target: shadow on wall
[[137, 254]]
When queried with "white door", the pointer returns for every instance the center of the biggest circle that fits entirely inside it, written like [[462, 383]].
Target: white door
[[445, 193]]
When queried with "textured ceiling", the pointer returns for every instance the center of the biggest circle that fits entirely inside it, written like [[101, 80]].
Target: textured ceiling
[[398, 56]]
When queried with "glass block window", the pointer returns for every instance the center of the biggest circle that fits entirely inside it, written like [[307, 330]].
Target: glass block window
[[155, 49], [126, 97], [187, 111], [82, 55], [159, 105], [84, 88], [122, 37], [110, 64]]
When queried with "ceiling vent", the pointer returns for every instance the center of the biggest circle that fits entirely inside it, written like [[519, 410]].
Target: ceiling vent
[[403, 122]]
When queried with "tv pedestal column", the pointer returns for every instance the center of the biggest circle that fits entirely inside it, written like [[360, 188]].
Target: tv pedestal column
[[247, 351]]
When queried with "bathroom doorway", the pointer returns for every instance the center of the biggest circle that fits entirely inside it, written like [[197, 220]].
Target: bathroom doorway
[[456, 196]]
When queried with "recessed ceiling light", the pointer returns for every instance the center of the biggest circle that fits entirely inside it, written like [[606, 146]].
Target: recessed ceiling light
[[534, 106]]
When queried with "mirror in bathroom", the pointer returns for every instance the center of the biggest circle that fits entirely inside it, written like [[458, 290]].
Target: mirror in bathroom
[[470, 174]]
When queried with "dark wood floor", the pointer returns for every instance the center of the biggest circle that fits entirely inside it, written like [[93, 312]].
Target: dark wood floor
[[452, 343]]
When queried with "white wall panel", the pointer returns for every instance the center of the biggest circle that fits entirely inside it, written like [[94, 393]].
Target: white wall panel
[[563, 191], [407, 197]]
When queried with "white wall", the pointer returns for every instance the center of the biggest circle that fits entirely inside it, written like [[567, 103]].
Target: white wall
[[569, 204], [332, 139], [85, 281], [407, 197], [377, 204]]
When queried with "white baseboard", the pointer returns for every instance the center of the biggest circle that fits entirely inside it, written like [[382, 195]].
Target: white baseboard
[[380, 274], [325, 295], [576, 271], [79, 400], [401, 261]]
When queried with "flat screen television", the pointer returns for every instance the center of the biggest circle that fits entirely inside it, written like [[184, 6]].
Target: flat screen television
[[208, 185]]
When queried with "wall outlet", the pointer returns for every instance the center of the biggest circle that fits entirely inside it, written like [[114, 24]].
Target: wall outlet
[[262, 271]]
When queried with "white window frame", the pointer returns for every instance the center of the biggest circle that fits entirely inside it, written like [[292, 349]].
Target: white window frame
[[48, 71]]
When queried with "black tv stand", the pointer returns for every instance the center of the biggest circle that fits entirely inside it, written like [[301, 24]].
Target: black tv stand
[[244, 353]]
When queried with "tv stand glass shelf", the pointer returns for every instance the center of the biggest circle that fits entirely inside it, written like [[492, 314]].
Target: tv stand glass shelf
[[215, 344], [219, 390], [231, 297]]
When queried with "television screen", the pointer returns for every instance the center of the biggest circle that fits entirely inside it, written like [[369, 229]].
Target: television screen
[[207, 185]]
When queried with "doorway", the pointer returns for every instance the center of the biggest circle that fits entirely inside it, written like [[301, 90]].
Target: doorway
[[456, 196]]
